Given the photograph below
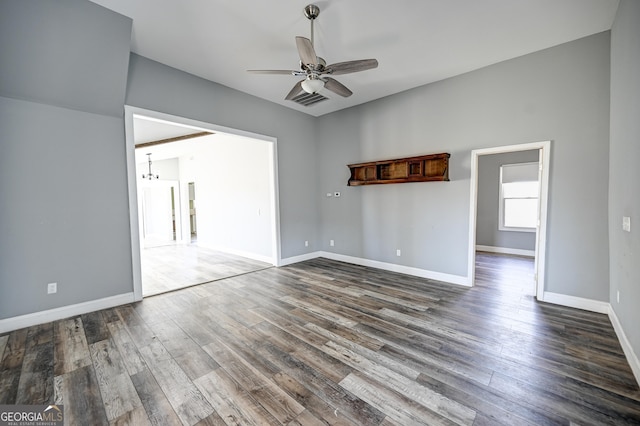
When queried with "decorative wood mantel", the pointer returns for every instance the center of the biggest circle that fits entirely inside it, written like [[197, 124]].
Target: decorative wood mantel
[[424, 168]]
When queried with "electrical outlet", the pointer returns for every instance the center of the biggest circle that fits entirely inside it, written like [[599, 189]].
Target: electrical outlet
[[331, 243], [306, 243], [398, 253], [52, 288], [626, 223], [329, 194]]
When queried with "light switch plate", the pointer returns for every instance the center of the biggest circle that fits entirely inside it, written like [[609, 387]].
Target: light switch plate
[[626, 223]]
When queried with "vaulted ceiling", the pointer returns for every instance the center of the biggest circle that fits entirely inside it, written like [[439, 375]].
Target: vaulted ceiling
[[415, 41]]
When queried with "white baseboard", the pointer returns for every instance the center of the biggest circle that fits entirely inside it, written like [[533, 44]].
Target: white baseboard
[[601, 308], [300, 258], [28, 320], [576, 302], [632, 358], [417, 272], [241, 253], [392, 267], [505, 250]]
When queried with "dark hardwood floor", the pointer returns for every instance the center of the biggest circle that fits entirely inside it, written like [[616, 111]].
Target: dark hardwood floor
[[324, 342]]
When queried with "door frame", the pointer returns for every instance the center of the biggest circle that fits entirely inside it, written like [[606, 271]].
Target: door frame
[[129, 113], [541, 232]]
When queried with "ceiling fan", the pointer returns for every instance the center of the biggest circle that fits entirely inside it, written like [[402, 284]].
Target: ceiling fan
[[315, 70]]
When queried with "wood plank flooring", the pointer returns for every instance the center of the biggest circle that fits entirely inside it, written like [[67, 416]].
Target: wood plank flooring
[[171, 267], [324, 342]]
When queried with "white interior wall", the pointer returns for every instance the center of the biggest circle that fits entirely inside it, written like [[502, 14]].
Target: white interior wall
[[233, 197], [233, 189]]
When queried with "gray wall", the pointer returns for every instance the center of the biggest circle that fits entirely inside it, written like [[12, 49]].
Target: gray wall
[[624, 172], [559, 94], [63, 180], [487, 232], [64, 215], [68, 53]]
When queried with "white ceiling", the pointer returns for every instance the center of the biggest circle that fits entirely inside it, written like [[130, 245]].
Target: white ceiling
[[415, 41]]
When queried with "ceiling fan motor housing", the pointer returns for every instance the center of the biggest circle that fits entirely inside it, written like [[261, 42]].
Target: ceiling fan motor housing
[[319, 67], [311, 11]]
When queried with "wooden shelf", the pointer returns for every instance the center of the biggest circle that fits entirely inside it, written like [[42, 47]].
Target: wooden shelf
[[425, 168]]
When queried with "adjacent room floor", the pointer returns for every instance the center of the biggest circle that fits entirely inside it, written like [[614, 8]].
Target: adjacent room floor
[[325, 342], [175, 266]]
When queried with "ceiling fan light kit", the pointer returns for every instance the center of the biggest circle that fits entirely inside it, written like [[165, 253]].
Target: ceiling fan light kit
[[312, 85], [315, 69]]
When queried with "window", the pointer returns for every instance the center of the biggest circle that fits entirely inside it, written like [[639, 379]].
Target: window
[[519, 191]]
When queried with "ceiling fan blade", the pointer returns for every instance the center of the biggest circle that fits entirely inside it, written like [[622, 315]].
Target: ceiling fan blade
[[276, 72], [295, 91], [336, 87], [306, 51], [351, 66]]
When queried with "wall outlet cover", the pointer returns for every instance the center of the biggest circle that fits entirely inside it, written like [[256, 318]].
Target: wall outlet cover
[[626, 223]]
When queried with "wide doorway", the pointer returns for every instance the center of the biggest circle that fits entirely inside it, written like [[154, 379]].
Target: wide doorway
[[205, 202]]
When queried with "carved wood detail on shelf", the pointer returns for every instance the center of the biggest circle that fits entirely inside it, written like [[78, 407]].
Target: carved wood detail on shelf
[[424, 168]]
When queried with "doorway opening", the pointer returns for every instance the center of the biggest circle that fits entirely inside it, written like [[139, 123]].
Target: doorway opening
[[531, 244], [159, 215], [236, 216], [193, 227]]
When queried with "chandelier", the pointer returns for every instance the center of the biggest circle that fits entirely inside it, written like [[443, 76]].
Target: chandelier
[[150, 175]]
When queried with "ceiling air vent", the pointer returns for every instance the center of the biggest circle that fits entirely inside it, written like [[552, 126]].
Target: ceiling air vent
[[308, 99]]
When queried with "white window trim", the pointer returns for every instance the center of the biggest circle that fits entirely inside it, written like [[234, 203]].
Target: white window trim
[[501, 226]]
